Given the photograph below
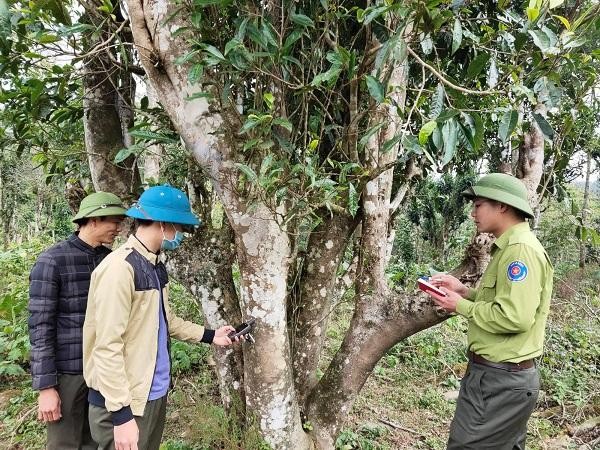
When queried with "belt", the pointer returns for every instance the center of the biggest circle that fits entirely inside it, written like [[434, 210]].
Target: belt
[[510, 366]]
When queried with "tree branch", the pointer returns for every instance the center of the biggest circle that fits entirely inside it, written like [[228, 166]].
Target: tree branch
[[444, 80]]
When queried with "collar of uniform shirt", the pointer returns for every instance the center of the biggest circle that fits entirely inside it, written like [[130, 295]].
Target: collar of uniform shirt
[[504, 239]]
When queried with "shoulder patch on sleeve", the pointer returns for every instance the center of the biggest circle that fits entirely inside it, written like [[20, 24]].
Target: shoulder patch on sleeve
[[517, 271]]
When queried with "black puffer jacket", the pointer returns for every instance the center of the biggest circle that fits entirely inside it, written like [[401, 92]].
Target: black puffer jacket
[[58, 291]]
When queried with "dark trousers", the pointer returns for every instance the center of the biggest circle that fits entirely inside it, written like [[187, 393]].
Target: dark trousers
[[72, 431], [493, 408], [150, 425]]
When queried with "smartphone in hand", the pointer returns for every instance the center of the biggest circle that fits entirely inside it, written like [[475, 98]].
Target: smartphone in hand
[[244, 329], [426, 286]]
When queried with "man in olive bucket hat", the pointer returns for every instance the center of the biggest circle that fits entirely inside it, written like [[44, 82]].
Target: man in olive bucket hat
[[506, 314], [58, 291]]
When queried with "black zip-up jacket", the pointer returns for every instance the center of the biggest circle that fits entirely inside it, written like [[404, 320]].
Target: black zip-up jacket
[[58, 292]]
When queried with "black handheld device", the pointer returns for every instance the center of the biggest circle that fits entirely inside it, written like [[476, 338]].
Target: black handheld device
[[244, 329]]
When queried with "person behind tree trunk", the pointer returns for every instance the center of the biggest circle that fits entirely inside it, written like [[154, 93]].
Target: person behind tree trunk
[[506, 316], [126, 336], [58, 292]]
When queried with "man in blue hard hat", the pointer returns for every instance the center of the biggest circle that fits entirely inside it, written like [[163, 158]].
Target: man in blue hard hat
[[58, 292], [126, 337]]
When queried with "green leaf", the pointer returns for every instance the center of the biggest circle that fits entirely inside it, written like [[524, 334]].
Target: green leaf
[[437, 138], [231, 45], [532, 14], [251, 143], [32, 55], [372, 13], [391, 143], [465, 133], [437, 101], [544, 126], [327, 77], [370, 132], [302, 20], [283, 123], [552, 38], [291, 39], [508, 124], [478, 132], [212, 50], [48, 39], [477, 65], [447, 114], [269, 33], [123, 154], [426, 131], [266, 164], [247, 171], [195, 73], [456, 35], [411, 144], [492, 75], [185, 58], [352, 200], [375, 88], [564, 21], [450, 133], [547, 92], [540, 39], [269, 99]]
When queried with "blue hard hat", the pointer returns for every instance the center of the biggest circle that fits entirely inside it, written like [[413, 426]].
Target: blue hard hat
[[164, 204]]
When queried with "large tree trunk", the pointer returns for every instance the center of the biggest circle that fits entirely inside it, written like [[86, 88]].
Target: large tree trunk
[[312, 306], [153, 153], [263, 247], [203, 265], [108, 113], [530, 165], [369, 335]]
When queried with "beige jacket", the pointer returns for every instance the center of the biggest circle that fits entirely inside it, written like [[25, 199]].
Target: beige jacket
[[120, 332]]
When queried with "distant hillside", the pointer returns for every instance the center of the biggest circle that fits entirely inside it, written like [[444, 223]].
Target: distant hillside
[[594, 186]]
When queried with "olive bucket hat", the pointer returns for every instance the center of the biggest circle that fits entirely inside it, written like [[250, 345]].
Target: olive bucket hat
[[502, 188], [100, 204]]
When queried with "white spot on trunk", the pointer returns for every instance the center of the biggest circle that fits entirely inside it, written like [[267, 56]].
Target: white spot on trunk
[[370, 207], [323, 292], [329, 244]]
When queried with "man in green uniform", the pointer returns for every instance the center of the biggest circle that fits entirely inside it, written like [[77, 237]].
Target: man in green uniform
[[507, 316]]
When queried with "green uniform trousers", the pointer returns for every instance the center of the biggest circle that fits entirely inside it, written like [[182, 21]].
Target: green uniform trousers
[[493, 408], [150, 425], [72, 431]]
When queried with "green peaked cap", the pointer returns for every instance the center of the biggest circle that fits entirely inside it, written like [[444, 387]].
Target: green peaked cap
[[100, 204]]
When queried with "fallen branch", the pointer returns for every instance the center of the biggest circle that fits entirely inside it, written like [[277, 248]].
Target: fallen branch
[[395, 425]]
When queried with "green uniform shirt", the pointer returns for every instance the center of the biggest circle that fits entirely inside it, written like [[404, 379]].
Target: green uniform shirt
[[507, 312]]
